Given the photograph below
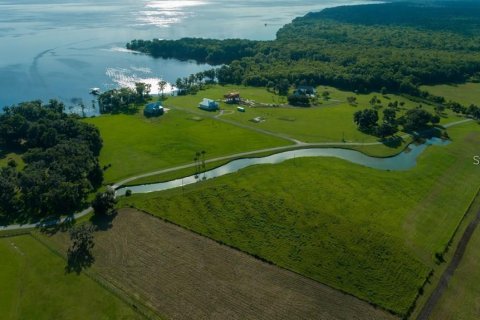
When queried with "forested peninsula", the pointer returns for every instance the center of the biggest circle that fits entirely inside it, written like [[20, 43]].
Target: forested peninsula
[[393, 46]]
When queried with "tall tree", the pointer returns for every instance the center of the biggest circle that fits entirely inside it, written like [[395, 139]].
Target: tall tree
[[162, 84], [366, 120], [390, 116]]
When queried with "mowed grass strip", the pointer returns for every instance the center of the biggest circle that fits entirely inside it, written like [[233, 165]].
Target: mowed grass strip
[[134, 144], [34, 286], [466, 94], [368, 232]]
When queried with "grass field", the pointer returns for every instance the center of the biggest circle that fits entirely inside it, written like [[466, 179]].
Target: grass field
[[316, 217], [440, 268], [461, 299], [34, 286], [186, 276], [466, 94], [331, 121], [134, 144]]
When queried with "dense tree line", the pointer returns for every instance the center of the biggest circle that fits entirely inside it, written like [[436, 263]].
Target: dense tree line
[[202, 50], [318, 50], [460, 16], [367, 120], [195, 82], [472, 110], [61, 161], [123, 100]]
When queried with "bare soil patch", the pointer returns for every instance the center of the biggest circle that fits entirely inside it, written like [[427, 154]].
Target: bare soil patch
[[183, 275]]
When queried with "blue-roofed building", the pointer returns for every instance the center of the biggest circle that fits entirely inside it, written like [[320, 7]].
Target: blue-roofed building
[[208, 104], [153, 109]]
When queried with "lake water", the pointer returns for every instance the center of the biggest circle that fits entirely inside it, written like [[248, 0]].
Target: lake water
[[60, 49], [403, 161]]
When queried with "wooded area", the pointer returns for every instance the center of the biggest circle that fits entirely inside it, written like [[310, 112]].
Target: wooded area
[[366, 49], [61, 157]]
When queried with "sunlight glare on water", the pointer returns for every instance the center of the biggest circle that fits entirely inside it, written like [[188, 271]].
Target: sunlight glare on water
[[61, 48]]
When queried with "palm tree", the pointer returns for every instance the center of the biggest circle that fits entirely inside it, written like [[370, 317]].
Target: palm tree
[[197, 164], [203, 163], [162, 84]]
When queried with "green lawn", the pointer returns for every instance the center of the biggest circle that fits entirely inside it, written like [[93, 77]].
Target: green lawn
[[466, 94], [34, 286], [134, 144], [331, 121], [4, 158], [370, 233]]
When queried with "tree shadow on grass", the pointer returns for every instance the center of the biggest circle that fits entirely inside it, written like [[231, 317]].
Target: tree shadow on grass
[[79, 255], [78, 261], [52, 229]]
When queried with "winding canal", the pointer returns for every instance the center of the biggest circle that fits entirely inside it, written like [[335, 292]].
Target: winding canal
[[401, 162]]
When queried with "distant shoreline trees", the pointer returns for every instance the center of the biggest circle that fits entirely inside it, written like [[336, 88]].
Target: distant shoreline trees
[[337, 47]]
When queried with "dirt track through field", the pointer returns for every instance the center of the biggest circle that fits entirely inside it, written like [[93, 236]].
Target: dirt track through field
[[448, 273], [186, 276]]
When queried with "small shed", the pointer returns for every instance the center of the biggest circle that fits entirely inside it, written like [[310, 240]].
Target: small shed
[[208, 105], [241, 109], [232, 97], [153, 109]]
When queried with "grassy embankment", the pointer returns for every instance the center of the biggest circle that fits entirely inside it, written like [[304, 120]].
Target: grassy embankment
[[466, 94], [34, 285], [318, 217]]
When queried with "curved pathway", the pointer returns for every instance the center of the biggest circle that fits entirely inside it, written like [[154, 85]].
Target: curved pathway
[[297, 144], [47, 222]]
